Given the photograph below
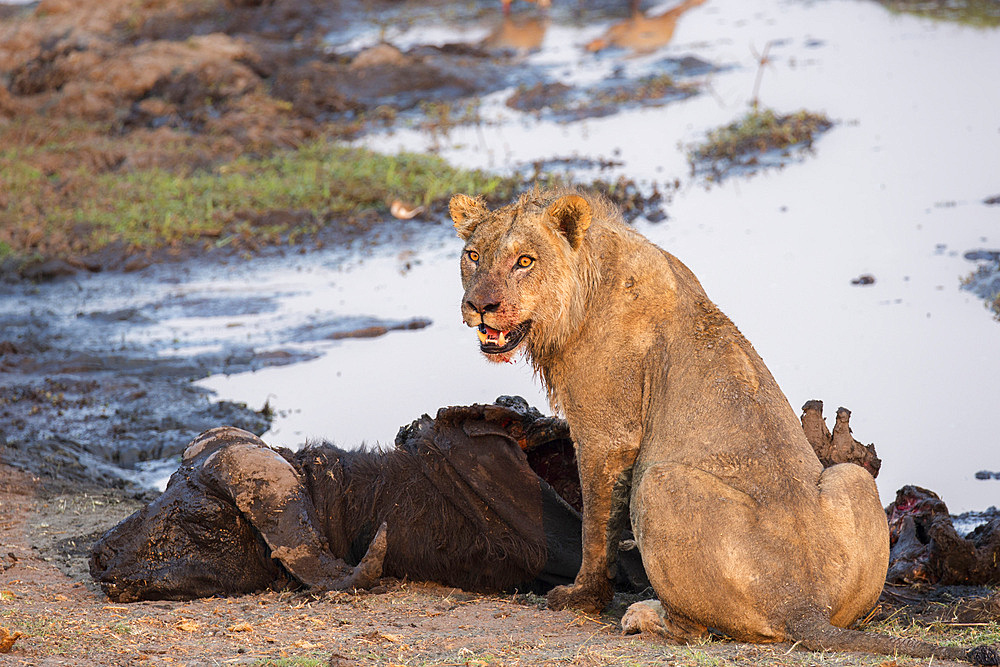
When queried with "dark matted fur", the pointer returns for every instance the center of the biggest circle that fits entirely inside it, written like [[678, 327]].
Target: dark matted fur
[[447, 521], [461, 504]]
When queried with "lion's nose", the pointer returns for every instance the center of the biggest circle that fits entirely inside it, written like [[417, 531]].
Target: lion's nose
[[486, 308]]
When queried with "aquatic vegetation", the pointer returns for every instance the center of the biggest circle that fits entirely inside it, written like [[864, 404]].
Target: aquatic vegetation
[[976, 13], [743, 143], [567, 104], [438, 118], [984, 281]]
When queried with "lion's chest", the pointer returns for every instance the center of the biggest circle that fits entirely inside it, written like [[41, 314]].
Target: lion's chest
[[602, 380]]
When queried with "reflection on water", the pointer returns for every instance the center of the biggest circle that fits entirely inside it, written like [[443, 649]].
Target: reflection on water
[[643, 32], [521, 34], [895, 190]]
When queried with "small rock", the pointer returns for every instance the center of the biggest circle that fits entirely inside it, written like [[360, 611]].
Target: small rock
[[656, 215], [380, 54], [864, 279]]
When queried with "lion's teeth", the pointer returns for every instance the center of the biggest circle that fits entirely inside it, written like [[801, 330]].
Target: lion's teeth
[[491, 336]]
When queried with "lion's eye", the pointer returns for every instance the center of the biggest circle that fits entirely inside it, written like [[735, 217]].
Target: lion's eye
[[524, 261], [473, 256]]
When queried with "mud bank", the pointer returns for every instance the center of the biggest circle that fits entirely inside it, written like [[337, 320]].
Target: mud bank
[[97, 379]]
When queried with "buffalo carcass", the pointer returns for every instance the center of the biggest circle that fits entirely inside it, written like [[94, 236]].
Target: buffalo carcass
[[456, 501]]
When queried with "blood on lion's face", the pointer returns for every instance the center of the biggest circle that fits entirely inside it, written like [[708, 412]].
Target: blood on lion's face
[[518, 269]]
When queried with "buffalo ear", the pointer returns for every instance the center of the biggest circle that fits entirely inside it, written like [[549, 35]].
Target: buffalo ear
[[571, 215], [466, 212]]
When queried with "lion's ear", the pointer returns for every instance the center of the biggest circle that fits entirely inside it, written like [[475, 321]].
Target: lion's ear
[[571, 214], [466, 212]]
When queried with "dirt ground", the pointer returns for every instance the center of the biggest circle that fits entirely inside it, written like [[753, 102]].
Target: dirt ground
[[46, 594]]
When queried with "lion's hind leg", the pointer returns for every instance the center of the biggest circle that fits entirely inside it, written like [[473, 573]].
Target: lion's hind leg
[[712, 553], [649, 616]]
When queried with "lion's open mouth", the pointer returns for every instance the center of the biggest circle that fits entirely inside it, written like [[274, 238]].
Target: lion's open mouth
[[492, 341]]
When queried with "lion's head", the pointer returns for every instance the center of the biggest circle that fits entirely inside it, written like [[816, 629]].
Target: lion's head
[[524, 269]]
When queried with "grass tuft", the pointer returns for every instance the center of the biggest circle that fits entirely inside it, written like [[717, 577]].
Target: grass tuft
[[984, 14], [984, 281], [740, 143], [292, 662]]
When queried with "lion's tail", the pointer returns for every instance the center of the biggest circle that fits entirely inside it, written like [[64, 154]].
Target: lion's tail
[[817, 634]]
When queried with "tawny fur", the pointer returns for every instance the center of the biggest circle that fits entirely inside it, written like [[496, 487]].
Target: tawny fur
[[680, 427]]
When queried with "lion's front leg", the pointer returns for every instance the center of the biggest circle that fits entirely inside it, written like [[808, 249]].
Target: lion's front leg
[[605, 477]]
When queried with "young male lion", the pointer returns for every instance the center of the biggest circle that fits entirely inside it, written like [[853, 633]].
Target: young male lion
[[677, 420]]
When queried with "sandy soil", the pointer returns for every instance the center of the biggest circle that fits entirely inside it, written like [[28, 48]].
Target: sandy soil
[[46, 594]]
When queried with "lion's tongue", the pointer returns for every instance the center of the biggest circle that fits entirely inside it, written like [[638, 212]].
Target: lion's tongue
[[490, 335]]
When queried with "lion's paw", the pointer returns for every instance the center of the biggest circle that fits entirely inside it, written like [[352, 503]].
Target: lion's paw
[[645, 616], [588, 599]]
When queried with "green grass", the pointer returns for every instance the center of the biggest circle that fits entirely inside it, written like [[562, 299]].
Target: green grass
[[152, 207], [69, 189], [975, 13], [76, 192], [292, 662], [121, 628], [966, 635]]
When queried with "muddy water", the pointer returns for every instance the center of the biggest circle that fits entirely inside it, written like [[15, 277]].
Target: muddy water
[[362, 390], [895, 190]]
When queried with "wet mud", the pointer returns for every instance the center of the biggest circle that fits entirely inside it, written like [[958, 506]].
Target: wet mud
[[83, 403], [196, 66]]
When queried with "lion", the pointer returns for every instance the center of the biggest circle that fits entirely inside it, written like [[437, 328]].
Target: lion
[[680, 428]]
